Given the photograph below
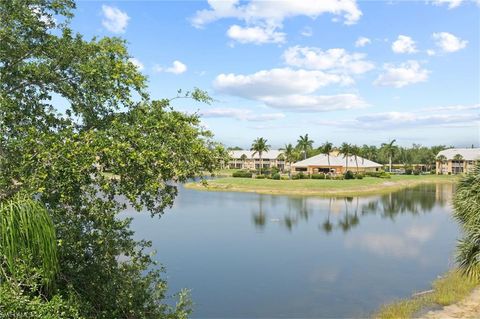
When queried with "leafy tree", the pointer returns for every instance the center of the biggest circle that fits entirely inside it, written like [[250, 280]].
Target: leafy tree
[[304, 144], [390, 149], [243, 158], [326, 149], [289, 153], [110, 141], [259, 146], [458, 157], [467, 209]]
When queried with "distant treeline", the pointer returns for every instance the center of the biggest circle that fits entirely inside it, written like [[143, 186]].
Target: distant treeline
[[383, 154]]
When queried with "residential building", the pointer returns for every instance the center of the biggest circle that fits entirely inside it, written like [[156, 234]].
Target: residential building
[[457, 160], [335, 164], [244, 159]]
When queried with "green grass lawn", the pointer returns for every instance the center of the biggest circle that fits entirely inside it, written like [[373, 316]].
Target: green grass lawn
[[368, 185]]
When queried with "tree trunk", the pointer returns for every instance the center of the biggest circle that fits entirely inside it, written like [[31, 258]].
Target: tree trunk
[[390, 162]]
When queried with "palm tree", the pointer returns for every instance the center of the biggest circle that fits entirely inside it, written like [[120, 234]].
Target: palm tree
[[355, 151], [259, 146], [458, 158], [345, 149], [390, 150], [26, 228], [326, 149], [442, 159], [467, 207], [244, 159], [304, 144], [289, 154]]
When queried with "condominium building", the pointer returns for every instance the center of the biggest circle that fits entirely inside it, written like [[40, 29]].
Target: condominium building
[[251, 160], [457, 160]]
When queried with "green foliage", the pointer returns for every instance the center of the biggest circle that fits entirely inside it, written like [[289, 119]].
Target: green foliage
[[467, 212], [260, 176], [304, 144], [385, 175], [349, 175], [243, 174], [15, 303], [276, 176], [359, 176], [318, 176], [26, 230], [112, 142]]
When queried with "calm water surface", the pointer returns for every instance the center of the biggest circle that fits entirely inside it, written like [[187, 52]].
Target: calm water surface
[[245, 255]]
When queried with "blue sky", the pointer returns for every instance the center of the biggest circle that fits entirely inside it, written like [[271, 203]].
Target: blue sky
[[339, 70]]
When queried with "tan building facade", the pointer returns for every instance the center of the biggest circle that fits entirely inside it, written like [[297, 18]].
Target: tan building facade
[[457, 160], [334, 164], [244, 159]]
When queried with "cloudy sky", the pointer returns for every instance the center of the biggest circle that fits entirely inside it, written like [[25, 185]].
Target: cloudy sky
[[339, 70]]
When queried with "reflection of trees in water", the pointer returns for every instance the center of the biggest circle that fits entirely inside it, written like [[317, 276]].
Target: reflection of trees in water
[[421, 199]]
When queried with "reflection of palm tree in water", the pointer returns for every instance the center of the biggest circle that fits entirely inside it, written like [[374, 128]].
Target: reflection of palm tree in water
[[327, 225], [259, 218]]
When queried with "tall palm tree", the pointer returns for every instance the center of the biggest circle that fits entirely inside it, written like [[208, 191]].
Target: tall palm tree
[[326, 149], [289, 154], [26, 228], [259, 146], [304, 144], [390, 150], [442, 159], [345, 149], [355, 151]]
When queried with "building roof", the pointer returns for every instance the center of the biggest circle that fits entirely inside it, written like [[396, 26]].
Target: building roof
[[468, 154], [271, 154], [322, 160]]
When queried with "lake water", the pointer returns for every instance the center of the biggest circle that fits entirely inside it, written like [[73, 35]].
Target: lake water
[[245, 255]]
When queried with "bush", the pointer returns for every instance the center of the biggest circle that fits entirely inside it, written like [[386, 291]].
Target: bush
[[416, 172], [384, 175], [260, 176], [359, 176], [300, 176], [328, 176], [349, 175], [276, 176], [318, 176], [243, 174], [408, 171], [338, 177], [274, 170], [284, 178]]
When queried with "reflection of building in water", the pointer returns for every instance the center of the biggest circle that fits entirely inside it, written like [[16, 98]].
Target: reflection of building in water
[[444, 192]]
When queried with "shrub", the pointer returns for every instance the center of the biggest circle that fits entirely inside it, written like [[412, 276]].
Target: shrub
[[276, 176], [408, 171], [349, 175], [318, 176], [416, 172], [373, 174], [243, 174], [385, 175], [328, 176], [284, 178], [339, 177], [260, 176], [274, 170], [359, 176]]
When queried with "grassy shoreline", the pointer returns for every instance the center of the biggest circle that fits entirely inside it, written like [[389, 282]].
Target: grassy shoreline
[[449, 289], [366, 186]]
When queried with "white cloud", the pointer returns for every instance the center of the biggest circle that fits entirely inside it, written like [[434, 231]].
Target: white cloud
[[139, 65], [276, 82], [307, 32], [362, 41], [269, 15], [114, 20], [256, 35], [448, 42], [451, 3], [406, 73], [446, 116], [431, 52], [176, 68], [289, 90], [404, 44], [315, 103], [241, 114], [335, 60]]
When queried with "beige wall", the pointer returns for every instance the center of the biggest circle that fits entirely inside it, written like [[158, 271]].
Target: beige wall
[[450, 167], [338, 169]]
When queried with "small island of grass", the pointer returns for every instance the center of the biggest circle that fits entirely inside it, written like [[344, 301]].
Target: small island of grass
[[316, 187]]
